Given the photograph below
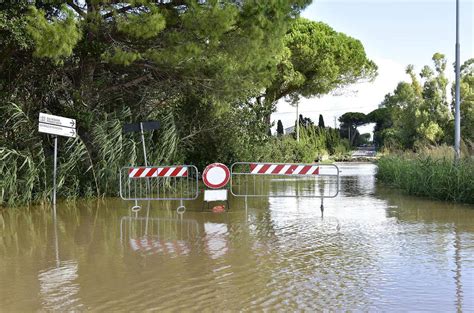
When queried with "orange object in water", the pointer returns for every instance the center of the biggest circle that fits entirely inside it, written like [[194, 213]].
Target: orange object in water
[[218, 209]]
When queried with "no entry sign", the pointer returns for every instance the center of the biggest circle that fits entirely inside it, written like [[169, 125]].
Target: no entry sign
[[216, 175]]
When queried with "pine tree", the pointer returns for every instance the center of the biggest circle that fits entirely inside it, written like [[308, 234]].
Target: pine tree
[[321, 121], [280, 131]]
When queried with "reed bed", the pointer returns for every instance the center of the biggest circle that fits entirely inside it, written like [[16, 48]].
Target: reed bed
[[431, 174]]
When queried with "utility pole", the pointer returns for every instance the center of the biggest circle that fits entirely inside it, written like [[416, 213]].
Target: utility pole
[[349, 128], [335, 122], [297, 124], [457, 113]]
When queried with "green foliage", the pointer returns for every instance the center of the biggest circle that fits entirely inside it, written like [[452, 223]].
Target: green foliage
[[350, 121], [22, 160], [143, 25], [114, 149], [13, 29], [314, 143], [326, 59], [286, 150], [55, 38], [383, 121], [353, 118], [467, 101], [364, 139], [318, 60], [120, 57], [416, 113], [422, 175]]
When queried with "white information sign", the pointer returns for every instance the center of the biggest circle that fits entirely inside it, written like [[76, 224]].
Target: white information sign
[[57, 125], [56, 130], [57, 120], [215, 195]]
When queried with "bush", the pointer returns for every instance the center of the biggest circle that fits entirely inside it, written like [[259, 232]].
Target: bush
[[314, 143]]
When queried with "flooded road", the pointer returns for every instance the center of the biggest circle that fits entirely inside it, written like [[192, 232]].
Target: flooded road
[[374, 249]]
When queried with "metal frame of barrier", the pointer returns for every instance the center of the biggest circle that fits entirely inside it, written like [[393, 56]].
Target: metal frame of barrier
[[257, 179], [177, 182]]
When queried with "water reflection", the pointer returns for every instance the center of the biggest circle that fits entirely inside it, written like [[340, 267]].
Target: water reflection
[[169, 236], [217, 242], [357, 180], [445, 233], [58, 287]]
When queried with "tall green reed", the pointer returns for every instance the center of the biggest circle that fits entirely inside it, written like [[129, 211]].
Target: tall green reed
[[88, 165], [434, 177]]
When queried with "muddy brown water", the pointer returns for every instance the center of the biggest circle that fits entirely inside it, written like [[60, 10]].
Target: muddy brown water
[[375, 249]]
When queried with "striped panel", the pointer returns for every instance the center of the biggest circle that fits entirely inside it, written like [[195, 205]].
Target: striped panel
[[283, 169], [149, 245], [168, 171]]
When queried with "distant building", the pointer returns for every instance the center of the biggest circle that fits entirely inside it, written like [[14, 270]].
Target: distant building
[[289, 130]]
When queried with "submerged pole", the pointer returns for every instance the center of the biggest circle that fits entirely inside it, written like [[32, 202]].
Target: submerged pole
[[55, 161], [457, 113]]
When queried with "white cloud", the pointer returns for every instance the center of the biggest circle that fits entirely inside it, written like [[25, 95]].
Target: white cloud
[[363, 97]]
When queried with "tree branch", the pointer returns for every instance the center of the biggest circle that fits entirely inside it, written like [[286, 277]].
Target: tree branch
[[130, 83], [121, 10], [76, 8], [206, 129]]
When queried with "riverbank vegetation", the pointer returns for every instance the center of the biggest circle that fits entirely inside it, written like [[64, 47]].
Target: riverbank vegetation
[[414, 125], [431, 173], [210, 71], [417, 118]]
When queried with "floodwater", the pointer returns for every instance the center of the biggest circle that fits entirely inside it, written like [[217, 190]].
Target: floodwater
[[374, 249]]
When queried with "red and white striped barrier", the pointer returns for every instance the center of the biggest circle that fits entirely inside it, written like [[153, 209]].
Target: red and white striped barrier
[[255, 179], [283, 169], [159, 182], [150, 245], [168, 171]]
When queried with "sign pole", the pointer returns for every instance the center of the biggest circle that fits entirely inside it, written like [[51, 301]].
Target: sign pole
[[144, 157], [143, 143], [54, 171], [141, 127], [56, 241]]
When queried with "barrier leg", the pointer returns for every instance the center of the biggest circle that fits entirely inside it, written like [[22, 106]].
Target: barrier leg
[[322, 207]]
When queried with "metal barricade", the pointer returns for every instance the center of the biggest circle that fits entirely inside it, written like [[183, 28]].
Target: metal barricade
[[178, 182], [252, 179], [166, 236], [284, 180]]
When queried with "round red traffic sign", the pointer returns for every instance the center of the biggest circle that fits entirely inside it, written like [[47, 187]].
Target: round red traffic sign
[[216, 175]]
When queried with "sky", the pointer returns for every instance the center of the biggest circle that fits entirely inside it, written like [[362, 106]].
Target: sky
[[395, 33]]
